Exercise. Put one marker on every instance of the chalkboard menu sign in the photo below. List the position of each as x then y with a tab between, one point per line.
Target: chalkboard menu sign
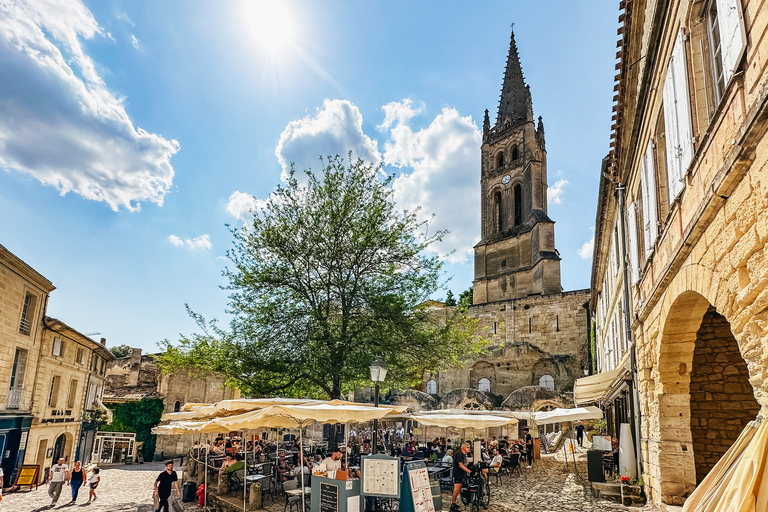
329	497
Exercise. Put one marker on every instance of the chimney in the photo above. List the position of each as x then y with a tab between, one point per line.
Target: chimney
104	341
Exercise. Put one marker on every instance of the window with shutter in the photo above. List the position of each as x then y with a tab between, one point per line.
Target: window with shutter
677	118
648	190
730	23
56	346
634	263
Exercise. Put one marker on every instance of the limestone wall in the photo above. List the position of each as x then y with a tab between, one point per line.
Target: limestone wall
533	336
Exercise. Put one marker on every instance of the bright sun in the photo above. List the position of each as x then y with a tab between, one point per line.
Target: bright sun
270	24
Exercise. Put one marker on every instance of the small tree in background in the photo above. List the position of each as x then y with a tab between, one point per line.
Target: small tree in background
450	300
465	298
121	351
328	277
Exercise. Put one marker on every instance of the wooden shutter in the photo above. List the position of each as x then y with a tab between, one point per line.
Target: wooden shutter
677	118
648	191
730	22
634	264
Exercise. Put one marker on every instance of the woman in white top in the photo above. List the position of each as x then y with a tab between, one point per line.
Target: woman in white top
93	482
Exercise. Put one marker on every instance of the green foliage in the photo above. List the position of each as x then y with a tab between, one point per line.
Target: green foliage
450	300
465	298
121	351
97	417
138	417
328	277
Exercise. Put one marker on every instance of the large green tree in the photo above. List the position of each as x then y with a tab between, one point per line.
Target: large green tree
330	275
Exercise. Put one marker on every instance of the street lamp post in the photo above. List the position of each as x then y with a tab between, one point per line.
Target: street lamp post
378	374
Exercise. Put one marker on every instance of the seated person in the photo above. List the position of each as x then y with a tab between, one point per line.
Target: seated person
218	448
228	461
283	468
366	448
495	466
234	466
448	459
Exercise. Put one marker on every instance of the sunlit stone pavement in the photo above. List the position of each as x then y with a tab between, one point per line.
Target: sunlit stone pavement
122	489
546	487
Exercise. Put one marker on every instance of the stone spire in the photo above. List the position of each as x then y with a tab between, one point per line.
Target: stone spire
515	101
486	125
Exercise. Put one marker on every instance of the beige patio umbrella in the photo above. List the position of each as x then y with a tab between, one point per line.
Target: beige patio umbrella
286	416
739	480
459	420
191	412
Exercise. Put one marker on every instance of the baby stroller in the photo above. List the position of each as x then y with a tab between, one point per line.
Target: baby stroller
475	491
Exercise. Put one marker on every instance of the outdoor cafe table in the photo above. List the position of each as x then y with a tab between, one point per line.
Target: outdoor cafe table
297	492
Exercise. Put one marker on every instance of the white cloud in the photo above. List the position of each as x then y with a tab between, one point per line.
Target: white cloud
585	251
556	191
241	206
444	180
58	120
199	242
334	129
134	41
398	112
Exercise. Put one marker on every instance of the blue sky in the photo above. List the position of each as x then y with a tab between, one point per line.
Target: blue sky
131	132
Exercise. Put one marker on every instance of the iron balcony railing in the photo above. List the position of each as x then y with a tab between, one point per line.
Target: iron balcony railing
14	398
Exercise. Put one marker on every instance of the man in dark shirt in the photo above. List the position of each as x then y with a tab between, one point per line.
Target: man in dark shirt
460	472
580	433
528	446
163	486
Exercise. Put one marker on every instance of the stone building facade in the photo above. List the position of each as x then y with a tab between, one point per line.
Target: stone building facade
539	333
68	387
685	193
51	375
138	376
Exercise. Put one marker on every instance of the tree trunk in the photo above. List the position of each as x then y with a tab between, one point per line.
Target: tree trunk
335	428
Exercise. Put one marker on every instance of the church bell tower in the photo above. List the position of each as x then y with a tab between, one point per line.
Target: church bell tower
516	255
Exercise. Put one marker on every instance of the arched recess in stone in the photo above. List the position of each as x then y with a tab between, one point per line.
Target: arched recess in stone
483	370
703	394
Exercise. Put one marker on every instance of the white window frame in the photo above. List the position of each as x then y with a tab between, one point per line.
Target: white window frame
56	350
481	382
677	118
432	386
730	21
648	192
548	383
634	263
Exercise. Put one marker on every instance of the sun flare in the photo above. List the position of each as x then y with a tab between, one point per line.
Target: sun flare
271	24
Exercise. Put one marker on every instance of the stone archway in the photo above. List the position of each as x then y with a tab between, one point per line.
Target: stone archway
722	401
698	420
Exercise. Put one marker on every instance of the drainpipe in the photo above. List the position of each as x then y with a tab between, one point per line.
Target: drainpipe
634	394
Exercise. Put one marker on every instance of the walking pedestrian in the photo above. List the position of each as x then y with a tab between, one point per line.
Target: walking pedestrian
580	434
528	446
59	475
76	478
93	483
163	486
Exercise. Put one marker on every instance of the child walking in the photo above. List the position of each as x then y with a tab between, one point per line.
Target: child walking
93	482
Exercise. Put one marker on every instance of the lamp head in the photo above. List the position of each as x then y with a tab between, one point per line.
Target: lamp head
378	370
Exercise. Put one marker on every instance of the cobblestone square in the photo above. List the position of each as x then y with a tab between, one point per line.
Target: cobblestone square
122	489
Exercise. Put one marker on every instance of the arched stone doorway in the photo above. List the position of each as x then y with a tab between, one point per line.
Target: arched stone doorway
59	447
704	395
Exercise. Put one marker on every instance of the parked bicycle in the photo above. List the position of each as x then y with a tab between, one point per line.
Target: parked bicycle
476	492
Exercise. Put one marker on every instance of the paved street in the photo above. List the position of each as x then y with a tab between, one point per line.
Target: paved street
546	487
121	489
